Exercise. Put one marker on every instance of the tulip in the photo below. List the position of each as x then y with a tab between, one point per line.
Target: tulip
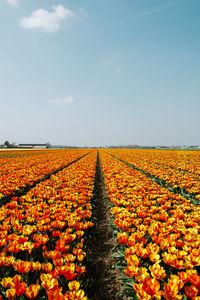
74	285
157	271
32	291
191	291
195	280
151	286
22	266
6	282
131	271
47	267
10	294
48	282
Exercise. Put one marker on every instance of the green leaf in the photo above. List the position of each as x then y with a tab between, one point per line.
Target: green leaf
118	254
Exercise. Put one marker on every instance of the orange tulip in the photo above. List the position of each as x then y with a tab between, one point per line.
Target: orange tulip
191	291
122	237
195	280
20	288
157	271
133	260
140	292
6	282
56	294
48	282
32	291
184	276
131	271
74	285
142	274
22	266
47	267
151	286
36	266
10	294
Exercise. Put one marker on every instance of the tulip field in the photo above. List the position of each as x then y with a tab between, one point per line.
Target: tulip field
48	219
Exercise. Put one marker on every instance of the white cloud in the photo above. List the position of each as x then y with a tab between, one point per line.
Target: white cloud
61	100
48	21
12	2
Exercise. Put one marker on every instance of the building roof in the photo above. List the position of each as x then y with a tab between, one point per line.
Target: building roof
32	145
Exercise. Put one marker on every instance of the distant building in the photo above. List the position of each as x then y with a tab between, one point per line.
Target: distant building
33	146
8	145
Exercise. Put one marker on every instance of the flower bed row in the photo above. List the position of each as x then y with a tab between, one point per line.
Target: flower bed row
188	161
11	154
25	160
42	236
180	178
158	234
24	171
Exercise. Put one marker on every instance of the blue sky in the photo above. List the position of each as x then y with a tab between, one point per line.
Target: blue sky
100	72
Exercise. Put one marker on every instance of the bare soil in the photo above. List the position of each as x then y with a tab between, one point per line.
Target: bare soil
105	284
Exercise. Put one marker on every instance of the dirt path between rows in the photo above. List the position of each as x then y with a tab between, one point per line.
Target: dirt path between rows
105	284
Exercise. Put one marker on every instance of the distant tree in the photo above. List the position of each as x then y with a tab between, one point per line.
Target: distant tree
48	145
7	144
